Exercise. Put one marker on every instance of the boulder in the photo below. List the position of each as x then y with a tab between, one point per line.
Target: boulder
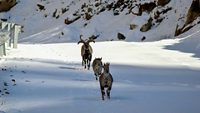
132	26
143	38
41	7
120	36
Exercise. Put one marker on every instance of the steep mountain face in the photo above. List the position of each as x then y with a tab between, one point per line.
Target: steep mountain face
134	20
6	5
192	15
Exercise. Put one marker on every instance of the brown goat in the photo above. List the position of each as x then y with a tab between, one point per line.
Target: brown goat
86	52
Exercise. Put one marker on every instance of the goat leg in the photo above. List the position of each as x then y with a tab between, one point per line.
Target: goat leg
102	92
108	92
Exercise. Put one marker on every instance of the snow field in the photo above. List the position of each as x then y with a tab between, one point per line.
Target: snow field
50	78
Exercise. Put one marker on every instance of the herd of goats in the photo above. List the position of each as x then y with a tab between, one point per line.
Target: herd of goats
105	78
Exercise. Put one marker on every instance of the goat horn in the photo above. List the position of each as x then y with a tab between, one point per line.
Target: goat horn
81	40
91	40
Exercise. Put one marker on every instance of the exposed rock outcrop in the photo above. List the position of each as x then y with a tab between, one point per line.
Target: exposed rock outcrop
6	5
193	14
147	26
163	2
69	21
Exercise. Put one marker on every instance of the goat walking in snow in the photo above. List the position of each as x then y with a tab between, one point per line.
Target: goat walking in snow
86	52
106	81
97	66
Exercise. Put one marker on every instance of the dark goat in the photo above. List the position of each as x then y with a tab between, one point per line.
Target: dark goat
86	52
106	81
97	66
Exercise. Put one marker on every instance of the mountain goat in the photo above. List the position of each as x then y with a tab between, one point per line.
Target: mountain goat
86	52
97	66
106	81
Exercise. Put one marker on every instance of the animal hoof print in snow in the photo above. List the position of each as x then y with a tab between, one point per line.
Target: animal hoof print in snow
5	84
7	93
3	69
13	80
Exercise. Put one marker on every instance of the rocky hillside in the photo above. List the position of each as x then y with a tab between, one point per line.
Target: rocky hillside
130	20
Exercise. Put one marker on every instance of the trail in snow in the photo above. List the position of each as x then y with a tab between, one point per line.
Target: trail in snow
147	79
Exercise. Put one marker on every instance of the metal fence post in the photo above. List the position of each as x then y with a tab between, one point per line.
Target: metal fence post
3	38
16	34
9	35
4	49
1	50
12	32
3	25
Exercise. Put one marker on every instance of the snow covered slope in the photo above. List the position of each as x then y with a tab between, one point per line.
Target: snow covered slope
49	21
